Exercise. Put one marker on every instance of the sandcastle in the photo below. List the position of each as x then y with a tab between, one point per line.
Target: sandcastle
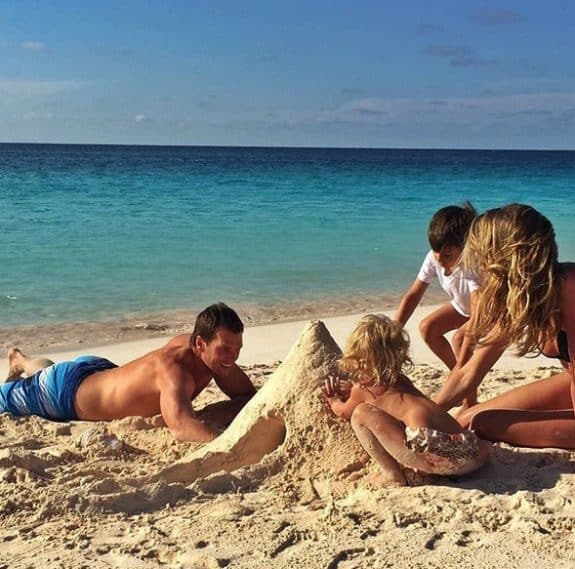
285	427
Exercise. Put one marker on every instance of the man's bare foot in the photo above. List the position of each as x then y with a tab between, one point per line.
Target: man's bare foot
15	369
387	480
21	365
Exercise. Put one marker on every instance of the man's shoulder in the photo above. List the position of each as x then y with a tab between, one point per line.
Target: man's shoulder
183	340
175	350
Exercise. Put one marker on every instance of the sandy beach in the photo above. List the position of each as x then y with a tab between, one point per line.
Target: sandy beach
285	486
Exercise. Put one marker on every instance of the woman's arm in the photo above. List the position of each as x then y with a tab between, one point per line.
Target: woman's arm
464	380
567	315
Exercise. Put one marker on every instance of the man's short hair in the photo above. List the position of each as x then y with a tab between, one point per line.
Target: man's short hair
449	226
216	316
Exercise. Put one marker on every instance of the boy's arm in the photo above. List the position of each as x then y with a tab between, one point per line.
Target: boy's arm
410	300
342	409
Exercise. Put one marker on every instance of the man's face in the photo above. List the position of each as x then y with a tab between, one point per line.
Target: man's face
448	257
222	351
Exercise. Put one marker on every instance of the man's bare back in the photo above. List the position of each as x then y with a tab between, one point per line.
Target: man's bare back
134	389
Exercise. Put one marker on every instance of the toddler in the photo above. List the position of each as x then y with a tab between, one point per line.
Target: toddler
396	424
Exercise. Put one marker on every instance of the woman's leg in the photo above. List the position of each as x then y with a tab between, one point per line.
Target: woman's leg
549	394
539	414
535	429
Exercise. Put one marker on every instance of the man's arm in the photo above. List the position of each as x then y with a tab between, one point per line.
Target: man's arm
236	384
176	391
410	300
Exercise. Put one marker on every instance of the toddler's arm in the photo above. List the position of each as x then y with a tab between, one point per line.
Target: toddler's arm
342	397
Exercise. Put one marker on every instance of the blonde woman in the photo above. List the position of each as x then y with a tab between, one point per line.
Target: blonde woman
526	298
396	424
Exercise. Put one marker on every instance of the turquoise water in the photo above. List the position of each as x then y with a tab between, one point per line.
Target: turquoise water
98	232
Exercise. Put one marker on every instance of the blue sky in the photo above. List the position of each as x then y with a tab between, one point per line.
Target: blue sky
415	74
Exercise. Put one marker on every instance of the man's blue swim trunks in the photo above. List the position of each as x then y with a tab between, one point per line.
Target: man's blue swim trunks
50	393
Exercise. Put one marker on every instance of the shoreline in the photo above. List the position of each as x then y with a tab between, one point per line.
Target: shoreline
67	336
264	342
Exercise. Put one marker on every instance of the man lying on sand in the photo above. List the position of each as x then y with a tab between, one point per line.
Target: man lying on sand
163	381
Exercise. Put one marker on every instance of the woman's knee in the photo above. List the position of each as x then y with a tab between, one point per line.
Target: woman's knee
479	422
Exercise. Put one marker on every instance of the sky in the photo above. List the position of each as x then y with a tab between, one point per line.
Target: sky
331	73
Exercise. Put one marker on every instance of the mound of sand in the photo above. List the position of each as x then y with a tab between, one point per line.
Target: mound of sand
285	429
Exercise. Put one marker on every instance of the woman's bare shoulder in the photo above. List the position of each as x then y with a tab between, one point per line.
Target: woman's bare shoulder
567	283
567	270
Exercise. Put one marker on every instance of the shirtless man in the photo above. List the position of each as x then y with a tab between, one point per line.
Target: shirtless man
163	381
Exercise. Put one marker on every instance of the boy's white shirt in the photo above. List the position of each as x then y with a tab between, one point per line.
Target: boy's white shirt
458	285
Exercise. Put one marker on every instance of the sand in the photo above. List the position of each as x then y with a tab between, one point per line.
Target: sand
285	486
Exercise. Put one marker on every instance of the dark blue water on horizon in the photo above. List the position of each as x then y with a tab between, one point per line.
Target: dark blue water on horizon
96	232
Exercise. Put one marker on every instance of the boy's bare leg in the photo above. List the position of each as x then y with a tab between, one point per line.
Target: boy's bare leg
434	327
20	364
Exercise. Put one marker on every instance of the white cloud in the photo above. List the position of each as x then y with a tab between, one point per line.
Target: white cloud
38	116
19	88
33	45
370	108
140	118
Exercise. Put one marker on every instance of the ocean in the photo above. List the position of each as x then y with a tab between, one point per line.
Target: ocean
99	233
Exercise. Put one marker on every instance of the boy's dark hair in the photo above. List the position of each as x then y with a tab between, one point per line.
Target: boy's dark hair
216	316
449	226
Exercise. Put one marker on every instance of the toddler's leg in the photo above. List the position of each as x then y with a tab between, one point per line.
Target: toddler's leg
383	437
434	327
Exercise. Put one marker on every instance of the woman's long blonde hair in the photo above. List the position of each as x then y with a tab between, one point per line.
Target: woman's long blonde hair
376	352
513	251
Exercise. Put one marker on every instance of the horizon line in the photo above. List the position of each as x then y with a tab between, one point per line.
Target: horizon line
286	147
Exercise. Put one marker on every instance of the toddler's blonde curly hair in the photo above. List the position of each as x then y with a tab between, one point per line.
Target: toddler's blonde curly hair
376	352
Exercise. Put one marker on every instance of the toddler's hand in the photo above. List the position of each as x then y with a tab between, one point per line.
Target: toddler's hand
333	388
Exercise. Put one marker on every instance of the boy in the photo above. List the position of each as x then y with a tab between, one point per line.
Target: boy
446	233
